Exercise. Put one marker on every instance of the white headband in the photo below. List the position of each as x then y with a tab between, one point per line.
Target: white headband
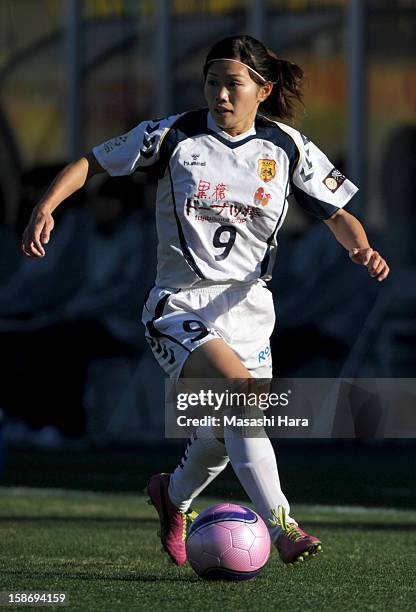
227	59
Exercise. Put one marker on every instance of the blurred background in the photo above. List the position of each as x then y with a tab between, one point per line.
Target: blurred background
76	374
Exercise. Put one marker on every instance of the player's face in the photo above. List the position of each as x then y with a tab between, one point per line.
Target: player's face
232	96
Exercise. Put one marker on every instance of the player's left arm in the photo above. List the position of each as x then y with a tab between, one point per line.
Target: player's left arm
350	233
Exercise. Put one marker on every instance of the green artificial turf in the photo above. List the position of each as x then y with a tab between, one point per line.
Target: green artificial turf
102	550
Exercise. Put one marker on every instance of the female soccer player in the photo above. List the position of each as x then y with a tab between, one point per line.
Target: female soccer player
225	174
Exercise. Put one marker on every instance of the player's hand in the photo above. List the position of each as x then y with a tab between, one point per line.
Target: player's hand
374	262
37	233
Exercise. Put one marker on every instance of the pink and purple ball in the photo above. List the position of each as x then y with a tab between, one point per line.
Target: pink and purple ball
228	542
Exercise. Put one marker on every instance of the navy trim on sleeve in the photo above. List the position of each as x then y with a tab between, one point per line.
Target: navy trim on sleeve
317	208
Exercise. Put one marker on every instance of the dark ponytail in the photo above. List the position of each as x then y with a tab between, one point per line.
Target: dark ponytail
287	77
286	95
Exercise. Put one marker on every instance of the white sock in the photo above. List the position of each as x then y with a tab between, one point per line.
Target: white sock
254	462
204	459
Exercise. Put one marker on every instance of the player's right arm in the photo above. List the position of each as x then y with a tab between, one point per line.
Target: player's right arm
41	223
138	149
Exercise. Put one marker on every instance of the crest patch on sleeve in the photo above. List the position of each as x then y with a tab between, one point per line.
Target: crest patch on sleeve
334	180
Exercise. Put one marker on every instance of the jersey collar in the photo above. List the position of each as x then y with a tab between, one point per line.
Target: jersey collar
213	127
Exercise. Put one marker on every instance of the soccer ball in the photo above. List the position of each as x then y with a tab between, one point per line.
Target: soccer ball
228	542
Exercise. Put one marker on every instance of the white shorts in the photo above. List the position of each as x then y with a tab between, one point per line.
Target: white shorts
177	321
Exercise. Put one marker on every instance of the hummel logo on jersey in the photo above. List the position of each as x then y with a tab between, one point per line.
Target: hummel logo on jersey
334	180
148	147
194	162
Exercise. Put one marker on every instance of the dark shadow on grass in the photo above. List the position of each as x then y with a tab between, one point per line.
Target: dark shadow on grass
372	526
77	519
106	577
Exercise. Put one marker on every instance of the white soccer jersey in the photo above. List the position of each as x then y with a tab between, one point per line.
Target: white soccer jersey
221	200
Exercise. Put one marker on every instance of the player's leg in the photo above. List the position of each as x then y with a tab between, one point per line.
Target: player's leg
205	457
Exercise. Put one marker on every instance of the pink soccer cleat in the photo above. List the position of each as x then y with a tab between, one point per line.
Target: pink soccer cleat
173	522
294	544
